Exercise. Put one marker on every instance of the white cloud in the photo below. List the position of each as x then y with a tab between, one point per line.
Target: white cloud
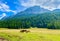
15	12
3	15
5	8
47	4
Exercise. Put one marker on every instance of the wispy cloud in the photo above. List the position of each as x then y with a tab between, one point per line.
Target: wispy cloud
2	16
47	4
5	8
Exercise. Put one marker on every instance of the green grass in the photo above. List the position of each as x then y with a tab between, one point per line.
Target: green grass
33	35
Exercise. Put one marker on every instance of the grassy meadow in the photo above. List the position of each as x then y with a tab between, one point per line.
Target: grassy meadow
35	34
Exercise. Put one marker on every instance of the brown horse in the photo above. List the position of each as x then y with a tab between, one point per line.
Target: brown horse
25	31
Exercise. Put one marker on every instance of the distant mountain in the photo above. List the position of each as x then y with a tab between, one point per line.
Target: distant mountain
36	9
56	10
33	17
32	11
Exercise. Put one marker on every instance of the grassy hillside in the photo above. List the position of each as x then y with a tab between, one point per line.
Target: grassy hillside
34	35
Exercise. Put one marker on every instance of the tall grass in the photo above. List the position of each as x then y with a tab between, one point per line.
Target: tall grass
33	35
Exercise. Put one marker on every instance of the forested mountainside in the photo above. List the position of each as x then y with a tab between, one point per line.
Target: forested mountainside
33	17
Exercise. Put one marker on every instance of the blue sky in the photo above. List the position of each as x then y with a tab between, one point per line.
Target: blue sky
11	7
